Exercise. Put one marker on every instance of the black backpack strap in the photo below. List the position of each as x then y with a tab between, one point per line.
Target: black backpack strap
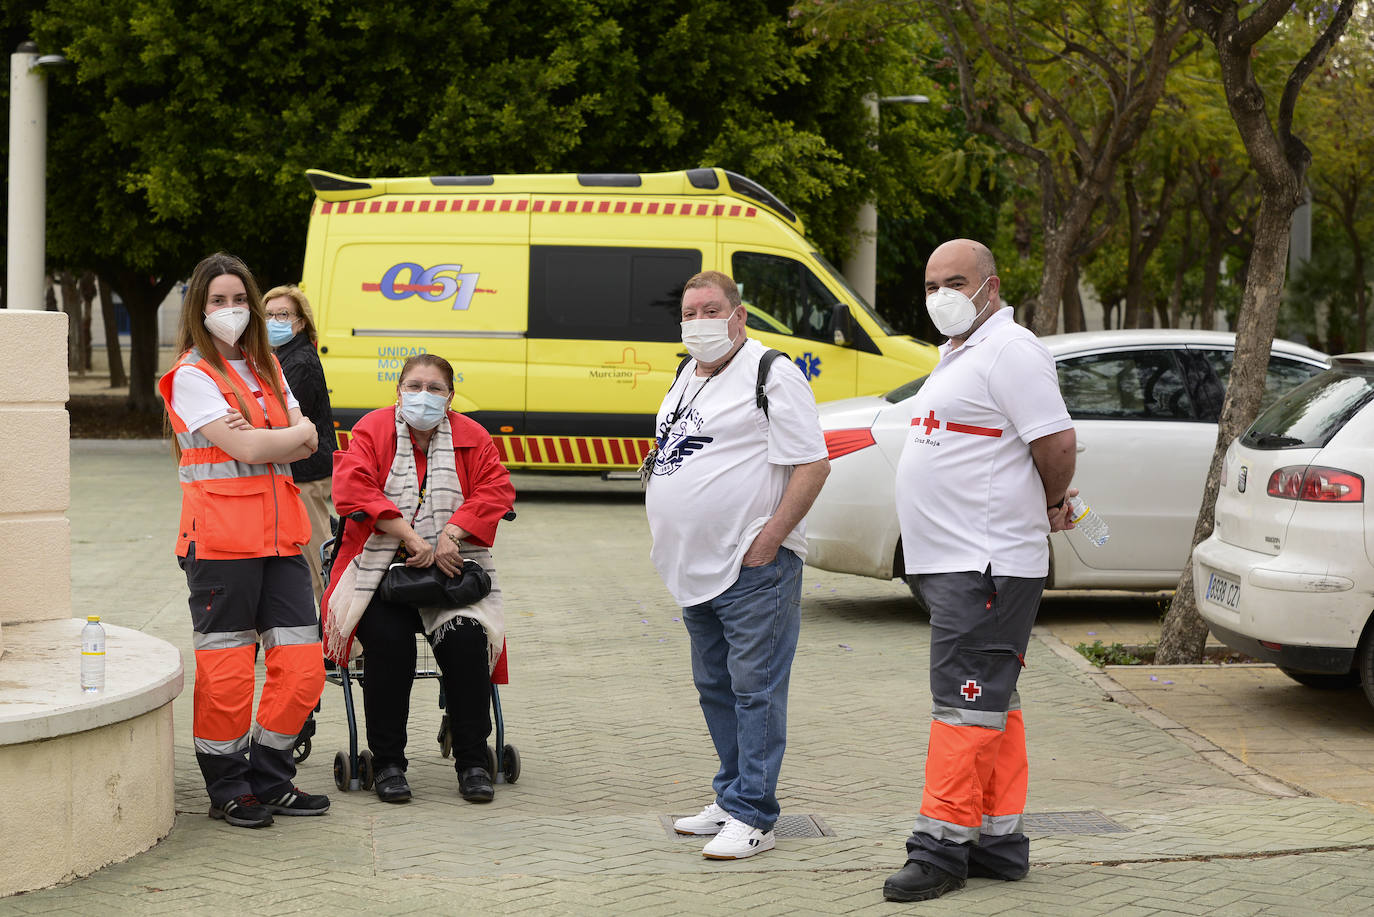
761	396
681	366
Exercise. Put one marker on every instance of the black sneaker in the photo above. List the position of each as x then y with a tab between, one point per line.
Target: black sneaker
243	811
297	802
919	881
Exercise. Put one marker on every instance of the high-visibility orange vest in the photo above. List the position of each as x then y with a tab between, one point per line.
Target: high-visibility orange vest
232	509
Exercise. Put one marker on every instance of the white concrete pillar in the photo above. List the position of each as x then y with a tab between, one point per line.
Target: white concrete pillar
27	179
861	267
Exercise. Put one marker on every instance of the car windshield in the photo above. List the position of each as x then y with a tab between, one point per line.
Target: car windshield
1313	412
906	390
839	278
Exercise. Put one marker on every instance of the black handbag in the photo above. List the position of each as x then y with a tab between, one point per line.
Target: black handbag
429	587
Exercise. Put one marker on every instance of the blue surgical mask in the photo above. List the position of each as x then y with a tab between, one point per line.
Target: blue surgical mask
423	410
279	332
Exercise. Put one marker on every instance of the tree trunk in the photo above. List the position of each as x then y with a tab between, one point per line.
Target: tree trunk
1044	320
112	351
1184	634
71	304
1211	279
87	288
1074	319
142	296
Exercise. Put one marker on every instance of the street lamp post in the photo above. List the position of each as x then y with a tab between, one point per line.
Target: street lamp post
26	239
861	267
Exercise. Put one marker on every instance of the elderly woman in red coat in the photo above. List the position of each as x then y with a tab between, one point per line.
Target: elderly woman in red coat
436	502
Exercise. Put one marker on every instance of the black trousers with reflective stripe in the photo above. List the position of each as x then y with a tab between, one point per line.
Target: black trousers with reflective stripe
387	633
980	627
239	599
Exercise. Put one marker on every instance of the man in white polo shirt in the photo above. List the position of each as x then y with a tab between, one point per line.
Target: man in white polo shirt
729	485
980	485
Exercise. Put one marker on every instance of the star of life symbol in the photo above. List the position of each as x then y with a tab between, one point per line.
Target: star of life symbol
971	690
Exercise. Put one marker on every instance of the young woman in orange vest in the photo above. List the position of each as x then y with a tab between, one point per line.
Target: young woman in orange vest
237	428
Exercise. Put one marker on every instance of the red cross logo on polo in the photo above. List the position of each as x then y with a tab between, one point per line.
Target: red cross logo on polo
931	422
971	690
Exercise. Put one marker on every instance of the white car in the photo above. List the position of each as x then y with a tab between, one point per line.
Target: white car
1287	575
1144	404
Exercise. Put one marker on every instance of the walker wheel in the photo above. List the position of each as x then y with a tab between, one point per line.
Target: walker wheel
510	763
367	774
301	751
491	760
444	738
343	772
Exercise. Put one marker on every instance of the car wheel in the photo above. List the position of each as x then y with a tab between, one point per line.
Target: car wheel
910	581
1365	654
1326	681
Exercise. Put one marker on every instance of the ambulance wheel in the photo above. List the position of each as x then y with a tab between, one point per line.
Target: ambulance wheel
366	772
301	751
491	760
444	738
510	763
343	772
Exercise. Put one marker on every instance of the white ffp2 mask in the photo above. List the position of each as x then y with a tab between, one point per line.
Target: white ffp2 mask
952	312
227	324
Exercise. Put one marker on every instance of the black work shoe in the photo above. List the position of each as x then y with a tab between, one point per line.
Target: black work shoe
391	785
977	870
243	812
297	802
474	785
920	881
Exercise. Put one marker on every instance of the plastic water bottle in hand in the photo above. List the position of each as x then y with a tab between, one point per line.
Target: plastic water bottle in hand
92	655
1088	522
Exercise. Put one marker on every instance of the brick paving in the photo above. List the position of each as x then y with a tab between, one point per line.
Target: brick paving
602	709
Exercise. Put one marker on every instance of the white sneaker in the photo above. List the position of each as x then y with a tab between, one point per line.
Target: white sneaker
709	821
736	841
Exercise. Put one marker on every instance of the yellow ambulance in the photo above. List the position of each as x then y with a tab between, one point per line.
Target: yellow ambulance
556	298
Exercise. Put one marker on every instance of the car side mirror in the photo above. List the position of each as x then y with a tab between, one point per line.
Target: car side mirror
842	323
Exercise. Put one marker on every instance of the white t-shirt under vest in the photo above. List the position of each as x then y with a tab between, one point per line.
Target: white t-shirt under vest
722	468
197	400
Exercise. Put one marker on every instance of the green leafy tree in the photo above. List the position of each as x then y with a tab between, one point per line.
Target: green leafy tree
185	125
1068	86
1280	160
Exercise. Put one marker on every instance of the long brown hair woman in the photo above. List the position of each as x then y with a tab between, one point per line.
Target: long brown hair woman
237	426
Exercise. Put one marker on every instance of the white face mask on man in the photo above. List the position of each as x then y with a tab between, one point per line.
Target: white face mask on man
227	324
707	339
952	312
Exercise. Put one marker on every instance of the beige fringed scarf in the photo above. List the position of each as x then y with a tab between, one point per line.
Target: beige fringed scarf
364	573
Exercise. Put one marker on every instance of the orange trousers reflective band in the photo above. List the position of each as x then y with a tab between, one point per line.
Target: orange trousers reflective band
224	690
972	771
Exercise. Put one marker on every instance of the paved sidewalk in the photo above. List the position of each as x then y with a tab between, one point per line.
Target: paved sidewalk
602	709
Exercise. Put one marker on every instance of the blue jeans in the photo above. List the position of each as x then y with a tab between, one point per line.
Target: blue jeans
743	642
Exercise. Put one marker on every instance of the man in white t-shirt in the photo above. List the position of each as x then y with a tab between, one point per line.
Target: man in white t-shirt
980	485
728	487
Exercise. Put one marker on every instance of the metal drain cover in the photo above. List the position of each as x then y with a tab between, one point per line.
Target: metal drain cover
1071	823
787	826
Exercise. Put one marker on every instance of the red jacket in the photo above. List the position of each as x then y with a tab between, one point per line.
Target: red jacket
361	470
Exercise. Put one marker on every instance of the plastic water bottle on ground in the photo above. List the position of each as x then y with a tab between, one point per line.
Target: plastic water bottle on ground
92	655
1089	523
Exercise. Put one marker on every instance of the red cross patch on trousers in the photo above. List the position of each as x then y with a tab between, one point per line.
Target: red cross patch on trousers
971	690
931	422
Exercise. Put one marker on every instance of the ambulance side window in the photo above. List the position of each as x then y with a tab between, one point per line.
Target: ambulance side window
784	297
601	292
